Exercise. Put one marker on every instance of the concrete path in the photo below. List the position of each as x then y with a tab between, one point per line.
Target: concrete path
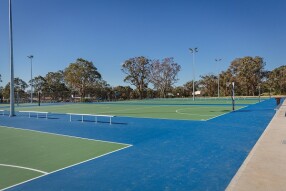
265	166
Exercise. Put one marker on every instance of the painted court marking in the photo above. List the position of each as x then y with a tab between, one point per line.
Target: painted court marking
137	108
179	112
48	173
183	113
26	168
64	135
225	113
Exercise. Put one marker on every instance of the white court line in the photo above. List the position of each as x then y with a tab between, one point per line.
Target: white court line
64	168
127	146
226	113
138	108
64	135
26	168
178	111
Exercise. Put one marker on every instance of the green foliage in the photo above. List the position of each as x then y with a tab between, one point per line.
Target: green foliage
80	75
276	80
163	74
247	73
209	84
137	71
19	87
81	79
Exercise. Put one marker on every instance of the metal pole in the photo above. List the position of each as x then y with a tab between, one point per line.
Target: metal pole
31	60
259	93
17	97
259	84
31	81
233	101
218	86
39	98
193	51
12	101
218	60
193	76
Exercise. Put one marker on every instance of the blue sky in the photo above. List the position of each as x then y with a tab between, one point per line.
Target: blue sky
108	32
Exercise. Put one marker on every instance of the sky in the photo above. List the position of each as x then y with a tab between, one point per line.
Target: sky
108	32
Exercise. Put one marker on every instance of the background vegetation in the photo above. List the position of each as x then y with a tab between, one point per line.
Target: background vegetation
81	81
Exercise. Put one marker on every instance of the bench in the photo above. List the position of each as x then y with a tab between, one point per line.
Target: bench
36	112
92	115
2	112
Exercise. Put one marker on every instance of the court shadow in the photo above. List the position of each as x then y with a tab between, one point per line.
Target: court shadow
99	121
222	111
53	118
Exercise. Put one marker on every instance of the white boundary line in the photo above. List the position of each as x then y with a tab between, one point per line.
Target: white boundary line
195	105
207	115
225	113
178	111
26	168
46	174
63	168
64	135
137	108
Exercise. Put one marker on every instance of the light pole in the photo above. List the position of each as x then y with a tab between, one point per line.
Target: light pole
232	97
31	58
12	102
218	60
259	85
259	93
193	51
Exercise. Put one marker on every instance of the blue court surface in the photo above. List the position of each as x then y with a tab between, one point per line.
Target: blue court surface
166	155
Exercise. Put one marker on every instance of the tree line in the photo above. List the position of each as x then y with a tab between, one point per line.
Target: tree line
81	81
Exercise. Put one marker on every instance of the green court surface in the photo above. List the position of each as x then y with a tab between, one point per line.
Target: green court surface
27	154
182	112
197	101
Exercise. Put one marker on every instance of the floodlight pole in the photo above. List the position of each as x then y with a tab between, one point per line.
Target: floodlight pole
259	84
39	97
12	101
31	58
193	51
232	97
218	60
259	93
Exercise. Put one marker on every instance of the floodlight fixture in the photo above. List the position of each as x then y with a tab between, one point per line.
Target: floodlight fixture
193	50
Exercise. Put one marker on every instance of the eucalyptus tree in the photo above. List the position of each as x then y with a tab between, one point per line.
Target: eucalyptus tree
55	87
163	74
39	83
209	84
1	91
81	74
19	87
226	77
248	73
1	94
99	90
122	92
277	80
137	72
188	86
179	91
